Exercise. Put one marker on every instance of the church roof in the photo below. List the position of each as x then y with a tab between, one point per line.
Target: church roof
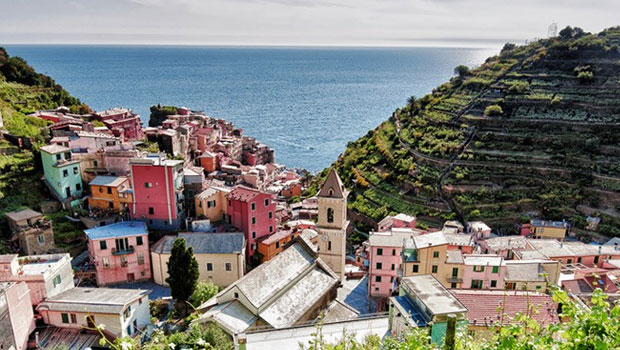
334	184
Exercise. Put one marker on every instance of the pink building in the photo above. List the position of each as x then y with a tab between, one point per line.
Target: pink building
16	316
253	212
398	221
120	252
122	122
483	271
116	159
158	192
384	260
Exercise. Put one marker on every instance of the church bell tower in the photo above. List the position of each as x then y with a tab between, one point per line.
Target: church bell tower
332	223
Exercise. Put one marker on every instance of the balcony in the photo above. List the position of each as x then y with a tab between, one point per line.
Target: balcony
129	250
455	280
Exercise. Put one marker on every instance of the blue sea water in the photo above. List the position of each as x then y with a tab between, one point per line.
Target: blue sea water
306	103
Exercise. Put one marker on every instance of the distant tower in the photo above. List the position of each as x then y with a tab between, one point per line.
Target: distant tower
552	31
332	223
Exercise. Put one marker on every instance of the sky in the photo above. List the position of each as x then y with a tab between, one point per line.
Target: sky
467	23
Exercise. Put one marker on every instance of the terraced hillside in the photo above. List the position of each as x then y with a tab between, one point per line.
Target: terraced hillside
534	131
22	91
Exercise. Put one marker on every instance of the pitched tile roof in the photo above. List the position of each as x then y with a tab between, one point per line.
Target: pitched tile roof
244	194
485	307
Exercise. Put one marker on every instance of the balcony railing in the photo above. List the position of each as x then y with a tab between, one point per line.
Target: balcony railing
455	280
128	250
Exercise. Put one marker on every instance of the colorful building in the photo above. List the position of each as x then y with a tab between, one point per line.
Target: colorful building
549	229
16	316
253	212
274	244
483	271
62	174
122	312
158	192
211	203
220	256
110	192
34	233
120	252
423	301
46	275
397	221
385	259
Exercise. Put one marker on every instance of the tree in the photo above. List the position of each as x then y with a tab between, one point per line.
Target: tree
508	47
182	273
411	100
493	111
461	70
203	292
566	33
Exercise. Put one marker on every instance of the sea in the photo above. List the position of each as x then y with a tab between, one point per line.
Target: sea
305	102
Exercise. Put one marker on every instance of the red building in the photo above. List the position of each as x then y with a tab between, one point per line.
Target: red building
122	122
158	192
253	212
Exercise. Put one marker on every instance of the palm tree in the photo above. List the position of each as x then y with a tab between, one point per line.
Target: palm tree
411	100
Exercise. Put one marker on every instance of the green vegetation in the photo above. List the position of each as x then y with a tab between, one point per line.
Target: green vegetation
203	292
182	274
596	328
23	91
447	154
160	113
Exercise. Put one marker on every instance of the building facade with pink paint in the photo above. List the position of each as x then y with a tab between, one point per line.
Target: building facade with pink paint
397	221
158	192
16	315
483	272
385	259
252	212
120	252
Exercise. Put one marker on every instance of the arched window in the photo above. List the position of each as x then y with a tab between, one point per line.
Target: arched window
330	215
330	192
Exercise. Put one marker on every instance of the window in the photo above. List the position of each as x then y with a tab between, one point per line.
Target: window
58	156
277	245
73	318
106	262
452	285
393	252
329	245
151	210
495	269
229	203
103	245
270	228
379	251
41	239
228	267
596	260
379	266
95	163
455	271
377	278
67	155
65	173
78	187
434	269
476	284
65	317
252	206
393	267
266	202
253	220
148	185
140	258
270	215
209	267
109	190
122	244
435	255
56	281
415	268
253	246
478	268
139	240
236	295
569	261
330	215
493	283
510	286
254	235
75	170
111	205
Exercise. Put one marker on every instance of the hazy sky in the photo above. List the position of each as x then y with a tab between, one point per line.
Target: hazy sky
296	22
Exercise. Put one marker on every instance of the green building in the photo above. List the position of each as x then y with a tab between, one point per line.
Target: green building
62	174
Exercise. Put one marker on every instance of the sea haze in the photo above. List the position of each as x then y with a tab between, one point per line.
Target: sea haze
306	103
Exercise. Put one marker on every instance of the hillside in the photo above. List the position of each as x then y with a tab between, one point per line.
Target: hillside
22	91
534	131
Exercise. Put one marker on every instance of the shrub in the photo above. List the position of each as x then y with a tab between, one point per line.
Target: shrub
585	77
461	70
203	292
519	87
493	111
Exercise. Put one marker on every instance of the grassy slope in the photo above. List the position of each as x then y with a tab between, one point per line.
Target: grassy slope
555	147
22	91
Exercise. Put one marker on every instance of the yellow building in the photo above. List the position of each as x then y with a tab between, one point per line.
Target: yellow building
211	203
428	254
220	256
549	229
110	192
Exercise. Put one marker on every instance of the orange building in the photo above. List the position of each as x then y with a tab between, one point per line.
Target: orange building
208	161
273	245
110	192
292	190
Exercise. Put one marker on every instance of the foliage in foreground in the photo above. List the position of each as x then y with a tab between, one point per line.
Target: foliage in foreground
203	292
182	273
595	328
